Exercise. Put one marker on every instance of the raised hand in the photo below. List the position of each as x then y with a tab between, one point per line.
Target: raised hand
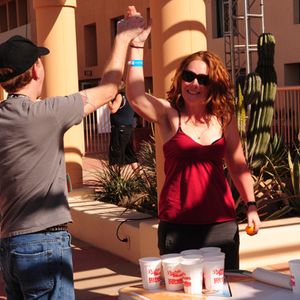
132	25
140	39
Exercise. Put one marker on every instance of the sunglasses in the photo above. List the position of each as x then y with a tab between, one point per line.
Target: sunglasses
189	76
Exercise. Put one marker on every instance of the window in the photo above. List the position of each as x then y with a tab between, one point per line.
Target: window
113	24
221	17
3	18
22	11
297	11
13	13
90	45
292	74
148	20
149	85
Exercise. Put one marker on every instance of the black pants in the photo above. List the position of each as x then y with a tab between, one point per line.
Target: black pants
121	150
174	238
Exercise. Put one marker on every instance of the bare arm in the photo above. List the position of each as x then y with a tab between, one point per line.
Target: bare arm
128	28
239	171
148	106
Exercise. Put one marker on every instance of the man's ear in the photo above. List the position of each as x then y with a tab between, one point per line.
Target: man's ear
35	69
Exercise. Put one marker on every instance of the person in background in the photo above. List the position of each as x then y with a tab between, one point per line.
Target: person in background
121	148
35	246
199	133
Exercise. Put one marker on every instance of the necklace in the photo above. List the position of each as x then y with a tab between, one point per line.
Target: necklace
197	133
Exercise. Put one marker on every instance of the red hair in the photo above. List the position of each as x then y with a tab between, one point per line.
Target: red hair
220	101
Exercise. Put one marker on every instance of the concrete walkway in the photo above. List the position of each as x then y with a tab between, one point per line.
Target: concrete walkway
98	275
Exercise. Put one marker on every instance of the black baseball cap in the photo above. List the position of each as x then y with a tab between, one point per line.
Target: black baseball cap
19	54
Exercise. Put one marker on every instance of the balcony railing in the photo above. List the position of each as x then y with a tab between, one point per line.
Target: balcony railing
286	121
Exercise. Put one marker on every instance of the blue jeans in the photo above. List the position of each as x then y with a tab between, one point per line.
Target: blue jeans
38	266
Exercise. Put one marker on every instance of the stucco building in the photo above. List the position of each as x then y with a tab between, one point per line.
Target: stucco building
80	36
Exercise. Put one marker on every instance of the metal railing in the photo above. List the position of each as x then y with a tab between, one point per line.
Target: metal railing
286	120
97	131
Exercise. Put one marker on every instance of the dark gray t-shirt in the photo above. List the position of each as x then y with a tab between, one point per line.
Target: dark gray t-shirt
33	188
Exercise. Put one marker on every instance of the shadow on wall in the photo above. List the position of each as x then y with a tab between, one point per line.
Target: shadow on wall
74	167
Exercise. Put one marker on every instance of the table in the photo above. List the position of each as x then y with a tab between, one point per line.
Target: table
241	285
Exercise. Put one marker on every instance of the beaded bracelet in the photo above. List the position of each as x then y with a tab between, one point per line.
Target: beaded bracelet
136	63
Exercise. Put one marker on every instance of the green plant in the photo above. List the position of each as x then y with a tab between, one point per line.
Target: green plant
258	95
124	187
147	161
274	183
116	185
276	176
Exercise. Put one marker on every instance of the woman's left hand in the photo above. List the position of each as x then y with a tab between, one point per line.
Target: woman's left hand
253	218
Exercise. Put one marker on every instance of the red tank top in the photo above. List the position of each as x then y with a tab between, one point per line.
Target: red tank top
196	190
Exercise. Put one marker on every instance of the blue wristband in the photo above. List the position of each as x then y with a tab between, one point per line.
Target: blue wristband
136	63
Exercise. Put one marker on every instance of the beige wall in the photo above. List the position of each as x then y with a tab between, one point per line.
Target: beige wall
101	13
278	17
280	21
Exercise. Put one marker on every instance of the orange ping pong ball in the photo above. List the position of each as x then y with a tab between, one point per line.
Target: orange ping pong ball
250	230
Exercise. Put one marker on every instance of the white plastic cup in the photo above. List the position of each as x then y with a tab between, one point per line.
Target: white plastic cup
192	275
190	251
213	270
196	257
169	255
172	273
163	256
294	265
210	249
150	271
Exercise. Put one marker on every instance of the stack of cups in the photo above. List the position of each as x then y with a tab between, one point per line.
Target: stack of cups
150	271
192	273
294	266
190	251
172	273
213	269
210	250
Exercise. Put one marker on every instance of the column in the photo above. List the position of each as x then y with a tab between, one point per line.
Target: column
178	29
55	28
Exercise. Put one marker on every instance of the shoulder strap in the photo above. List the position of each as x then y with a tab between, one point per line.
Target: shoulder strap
179	119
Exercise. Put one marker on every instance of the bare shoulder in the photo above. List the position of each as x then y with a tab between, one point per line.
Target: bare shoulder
169	125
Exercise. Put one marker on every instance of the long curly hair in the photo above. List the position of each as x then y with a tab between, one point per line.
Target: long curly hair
220	101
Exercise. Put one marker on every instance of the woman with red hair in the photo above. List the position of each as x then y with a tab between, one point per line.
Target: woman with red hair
199	133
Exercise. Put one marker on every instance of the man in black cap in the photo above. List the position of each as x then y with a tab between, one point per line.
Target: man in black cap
36	259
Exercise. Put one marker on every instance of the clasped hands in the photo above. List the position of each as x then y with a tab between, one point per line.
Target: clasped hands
133	26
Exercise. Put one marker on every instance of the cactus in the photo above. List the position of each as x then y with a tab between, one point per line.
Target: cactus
259	94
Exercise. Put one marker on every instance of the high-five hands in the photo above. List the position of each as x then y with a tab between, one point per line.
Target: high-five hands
140	39
132	25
